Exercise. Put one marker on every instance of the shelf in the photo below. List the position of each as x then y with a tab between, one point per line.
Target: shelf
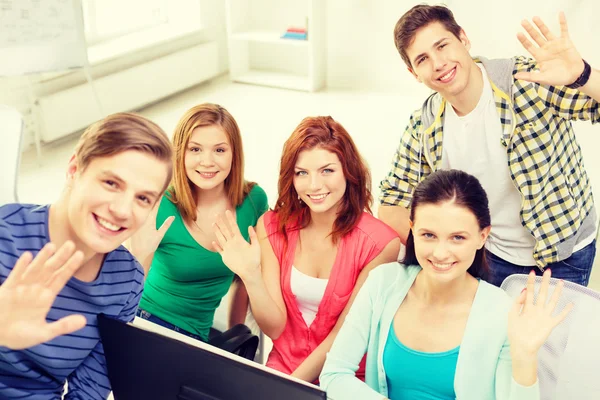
275	79
267	37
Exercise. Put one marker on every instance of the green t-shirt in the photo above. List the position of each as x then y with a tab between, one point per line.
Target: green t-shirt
186	282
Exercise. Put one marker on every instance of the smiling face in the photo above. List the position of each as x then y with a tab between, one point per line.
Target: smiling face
319	180
208	158
112	197
441	60
446	238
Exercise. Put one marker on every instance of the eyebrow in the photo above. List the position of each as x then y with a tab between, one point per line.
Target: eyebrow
436	44
218	144
464	233
323	167
115	177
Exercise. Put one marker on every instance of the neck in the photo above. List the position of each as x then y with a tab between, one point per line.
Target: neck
323	221
434	292
60	230
466	101
206	198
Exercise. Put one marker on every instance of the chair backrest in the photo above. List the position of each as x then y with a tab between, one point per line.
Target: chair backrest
11	132
569	361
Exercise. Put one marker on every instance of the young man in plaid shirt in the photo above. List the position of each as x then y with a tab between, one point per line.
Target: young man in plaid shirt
507	122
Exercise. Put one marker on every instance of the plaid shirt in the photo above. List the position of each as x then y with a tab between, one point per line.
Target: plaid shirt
544	158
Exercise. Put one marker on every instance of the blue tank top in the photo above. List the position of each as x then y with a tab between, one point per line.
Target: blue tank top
415	375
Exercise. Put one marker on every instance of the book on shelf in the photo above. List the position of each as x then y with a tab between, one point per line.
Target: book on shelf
295	35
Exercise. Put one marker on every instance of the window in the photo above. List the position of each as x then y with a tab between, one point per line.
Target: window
106	20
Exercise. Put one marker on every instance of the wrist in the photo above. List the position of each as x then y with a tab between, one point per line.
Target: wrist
251	277
583	77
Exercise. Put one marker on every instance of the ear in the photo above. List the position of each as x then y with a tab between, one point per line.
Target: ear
410	223
464	39
485	232
72	168
414	74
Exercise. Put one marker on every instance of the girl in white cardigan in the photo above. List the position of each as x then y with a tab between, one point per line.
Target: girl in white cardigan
432	328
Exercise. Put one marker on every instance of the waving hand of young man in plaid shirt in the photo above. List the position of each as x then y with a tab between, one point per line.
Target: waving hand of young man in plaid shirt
507	122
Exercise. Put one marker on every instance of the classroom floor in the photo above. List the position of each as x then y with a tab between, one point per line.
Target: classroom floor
266	117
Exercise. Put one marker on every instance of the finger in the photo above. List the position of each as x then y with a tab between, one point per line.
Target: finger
543	294
563	314
165	227
530	290
543	28
556	295
564	29
64	326
219	234
65	272
18	270
535	35
232	223
58	259
31	274
217	248
223	227
528	45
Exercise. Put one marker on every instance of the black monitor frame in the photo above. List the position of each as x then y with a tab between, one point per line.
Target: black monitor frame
147	365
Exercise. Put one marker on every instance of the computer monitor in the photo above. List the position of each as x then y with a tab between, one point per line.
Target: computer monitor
147	365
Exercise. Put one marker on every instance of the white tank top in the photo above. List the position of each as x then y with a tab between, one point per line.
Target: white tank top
309	292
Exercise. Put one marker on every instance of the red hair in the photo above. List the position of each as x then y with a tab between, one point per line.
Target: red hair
327	134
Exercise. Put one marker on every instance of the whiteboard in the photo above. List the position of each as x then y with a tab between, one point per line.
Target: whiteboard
41	36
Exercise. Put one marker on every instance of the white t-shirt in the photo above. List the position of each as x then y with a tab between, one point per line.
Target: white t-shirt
472	144
309	292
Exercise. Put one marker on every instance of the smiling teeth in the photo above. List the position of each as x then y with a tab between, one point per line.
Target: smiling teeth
317	197
447	75
108	225
442	266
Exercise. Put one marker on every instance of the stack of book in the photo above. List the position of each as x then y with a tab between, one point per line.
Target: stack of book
295	33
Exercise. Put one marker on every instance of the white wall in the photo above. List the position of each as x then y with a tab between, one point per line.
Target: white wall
362	55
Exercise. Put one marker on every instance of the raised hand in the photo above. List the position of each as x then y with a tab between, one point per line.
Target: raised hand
241	257
29	292
146	240
529	323
558	60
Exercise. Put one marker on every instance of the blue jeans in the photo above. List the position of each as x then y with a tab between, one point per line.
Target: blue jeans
577	268
153	318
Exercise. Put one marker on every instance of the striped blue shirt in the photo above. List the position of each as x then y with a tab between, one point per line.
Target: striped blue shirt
40	372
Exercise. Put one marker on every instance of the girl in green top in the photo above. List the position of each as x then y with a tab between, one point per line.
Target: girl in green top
186	278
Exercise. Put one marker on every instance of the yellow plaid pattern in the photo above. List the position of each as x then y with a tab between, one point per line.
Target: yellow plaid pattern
544	158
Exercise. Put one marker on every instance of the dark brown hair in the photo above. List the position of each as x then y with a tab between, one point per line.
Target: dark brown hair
418	17
463	190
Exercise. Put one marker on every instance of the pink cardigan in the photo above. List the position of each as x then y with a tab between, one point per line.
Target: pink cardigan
355	251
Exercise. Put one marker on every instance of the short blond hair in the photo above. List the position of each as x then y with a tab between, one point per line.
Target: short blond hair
122	132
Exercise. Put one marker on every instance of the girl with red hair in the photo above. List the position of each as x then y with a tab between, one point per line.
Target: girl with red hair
310	255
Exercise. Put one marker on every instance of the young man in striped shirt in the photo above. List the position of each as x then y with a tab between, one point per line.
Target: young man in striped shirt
511	128
121	167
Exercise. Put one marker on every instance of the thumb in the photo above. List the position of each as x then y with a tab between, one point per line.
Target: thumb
165	226
65	326
529	76
519	302
252	235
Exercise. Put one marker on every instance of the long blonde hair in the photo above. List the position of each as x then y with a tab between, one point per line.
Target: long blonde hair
180	192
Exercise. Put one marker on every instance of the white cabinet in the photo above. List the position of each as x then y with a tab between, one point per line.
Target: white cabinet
258	54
